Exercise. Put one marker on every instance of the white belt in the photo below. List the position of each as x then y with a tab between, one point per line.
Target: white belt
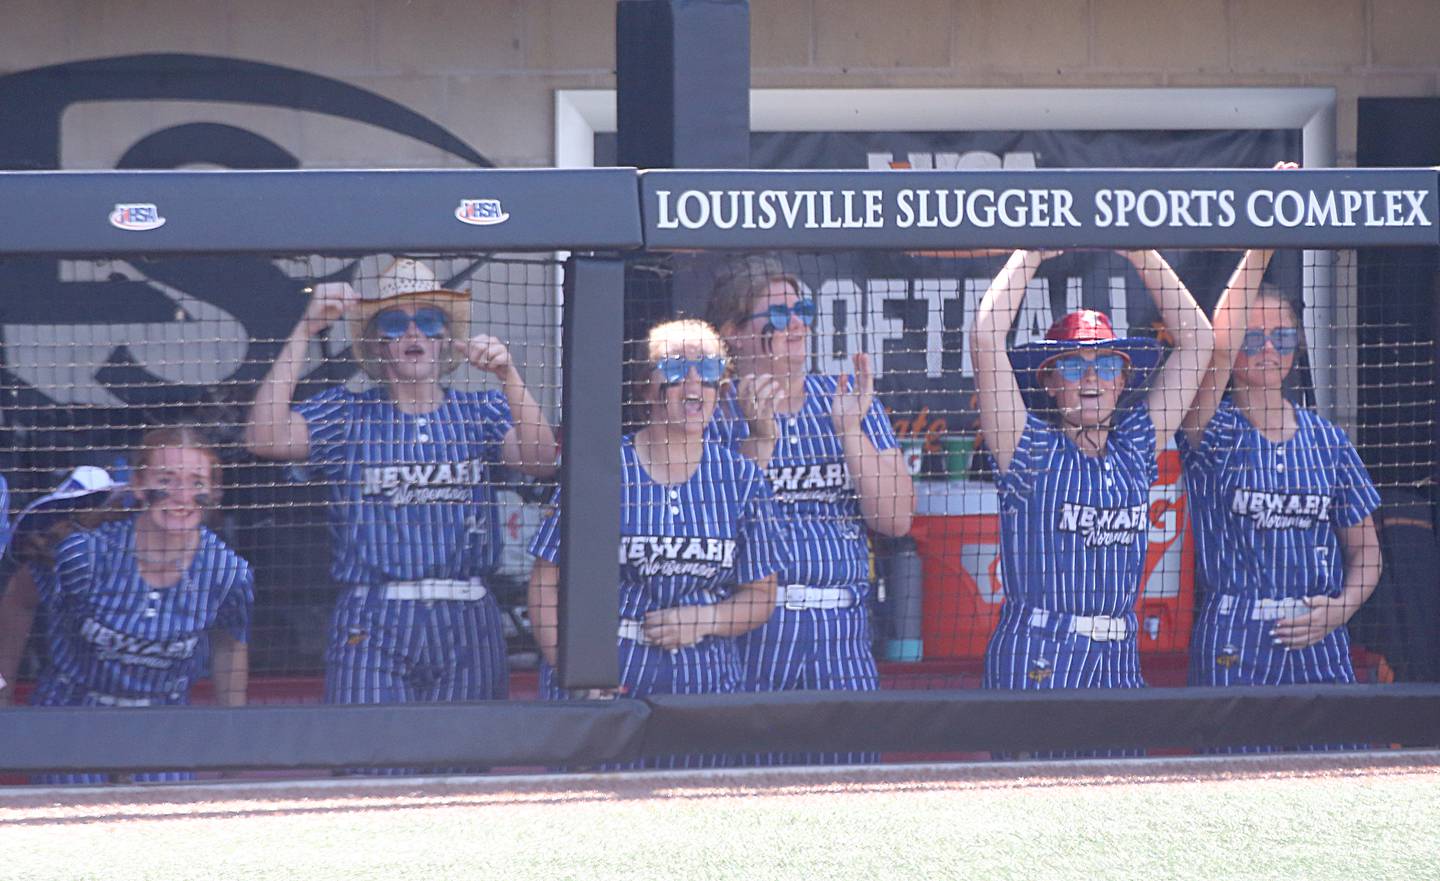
111	700
431	589
800	596
634	631
1100	628
1266	609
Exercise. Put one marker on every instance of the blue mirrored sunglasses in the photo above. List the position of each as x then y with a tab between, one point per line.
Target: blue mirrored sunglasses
1285	340
779	315
392	323
710	369
1072	367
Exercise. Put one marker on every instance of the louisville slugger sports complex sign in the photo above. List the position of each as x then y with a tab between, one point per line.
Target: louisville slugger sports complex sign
975	209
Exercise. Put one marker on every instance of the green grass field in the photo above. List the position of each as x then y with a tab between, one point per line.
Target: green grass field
1335	819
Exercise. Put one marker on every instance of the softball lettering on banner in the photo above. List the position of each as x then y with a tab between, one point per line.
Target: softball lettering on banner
990	209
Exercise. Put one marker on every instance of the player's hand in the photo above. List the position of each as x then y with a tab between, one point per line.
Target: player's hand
760	396
1042	256
1284	164
852	399
677	627
485	352
1326	613
328	302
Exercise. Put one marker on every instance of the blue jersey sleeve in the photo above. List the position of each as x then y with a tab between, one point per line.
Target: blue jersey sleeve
878	429
75	564
546	543
1356	497
328	415
1218	441
234	614
1031	456
492	411
764	546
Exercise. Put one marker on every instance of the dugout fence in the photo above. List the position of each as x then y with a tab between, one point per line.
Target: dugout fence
142	299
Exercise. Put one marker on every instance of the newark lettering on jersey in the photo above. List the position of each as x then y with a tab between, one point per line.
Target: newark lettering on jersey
1103	527
1272	510
815	482
677	555
112	645
424	483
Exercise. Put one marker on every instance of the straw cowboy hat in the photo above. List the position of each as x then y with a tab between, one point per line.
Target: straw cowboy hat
1079	331
408	282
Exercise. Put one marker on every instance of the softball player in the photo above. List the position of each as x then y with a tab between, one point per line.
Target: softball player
835	469
79	502
409	466
143	603
700	543
1281	503
1075	463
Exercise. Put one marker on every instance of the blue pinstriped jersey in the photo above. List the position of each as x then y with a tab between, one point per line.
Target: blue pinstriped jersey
117	635
813	486
692	543
1266	513
411	495
1074	528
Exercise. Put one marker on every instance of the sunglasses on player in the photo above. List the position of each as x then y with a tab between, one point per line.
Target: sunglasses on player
710	369
392	323
779	314
1072	368
1285	340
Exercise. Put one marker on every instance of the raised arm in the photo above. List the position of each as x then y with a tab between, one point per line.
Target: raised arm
529	446
1191	336
1229	328
883	486
1002	408
276	431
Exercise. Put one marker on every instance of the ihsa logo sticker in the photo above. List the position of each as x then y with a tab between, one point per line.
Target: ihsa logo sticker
481	212
136	216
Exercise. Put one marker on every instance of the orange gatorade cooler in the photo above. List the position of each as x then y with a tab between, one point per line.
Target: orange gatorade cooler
1166	609
957	530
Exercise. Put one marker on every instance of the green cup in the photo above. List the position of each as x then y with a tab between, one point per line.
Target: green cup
958	450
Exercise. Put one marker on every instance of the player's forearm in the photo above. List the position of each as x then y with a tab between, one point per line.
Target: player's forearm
883	486
230	670
543	604
1233	307
751	606
275	431
1185	321
534	437
1002	301
1363	563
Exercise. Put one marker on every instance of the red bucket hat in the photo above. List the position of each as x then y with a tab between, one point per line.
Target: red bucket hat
1077	332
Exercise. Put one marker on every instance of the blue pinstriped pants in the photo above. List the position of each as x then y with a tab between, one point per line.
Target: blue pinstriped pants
810	650
1024	656
396	651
